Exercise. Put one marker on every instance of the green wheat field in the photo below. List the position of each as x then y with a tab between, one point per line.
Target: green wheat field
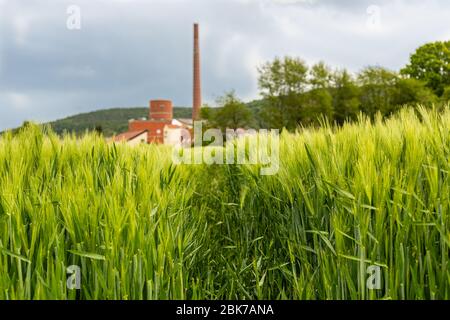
371	193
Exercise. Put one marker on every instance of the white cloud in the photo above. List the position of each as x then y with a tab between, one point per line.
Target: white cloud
16	100
21	28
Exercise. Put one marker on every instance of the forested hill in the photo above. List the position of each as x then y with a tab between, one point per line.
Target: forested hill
114	121
111	121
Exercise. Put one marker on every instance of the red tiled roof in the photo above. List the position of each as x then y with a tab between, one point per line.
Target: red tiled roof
127	136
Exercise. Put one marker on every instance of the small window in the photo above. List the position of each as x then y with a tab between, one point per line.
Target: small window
158	131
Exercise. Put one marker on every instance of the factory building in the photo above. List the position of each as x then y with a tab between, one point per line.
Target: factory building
160	127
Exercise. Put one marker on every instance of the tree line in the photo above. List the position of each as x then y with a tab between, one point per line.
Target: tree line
296	94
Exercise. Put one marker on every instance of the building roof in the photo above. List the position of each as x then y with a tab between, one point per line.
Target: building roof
174	126
185	121
130	135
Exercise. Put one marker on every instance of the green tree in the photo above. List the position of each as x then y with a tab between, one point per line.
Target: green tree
412	92
446	95
206	113
231	113
321	76
346	97
377	89
281	83
316	103
431	64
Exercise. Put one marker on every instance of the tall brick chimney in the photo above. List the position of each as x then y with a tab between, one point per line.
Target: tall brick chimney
197	103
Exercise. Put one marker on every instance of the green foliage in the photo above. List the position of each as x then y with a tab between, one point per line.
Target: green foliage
446	95
321	76
346	97
345	198
295	94
206	112
230	114
316	103
377	87
412	92
281	83
431	64
258	107
283	77
385	91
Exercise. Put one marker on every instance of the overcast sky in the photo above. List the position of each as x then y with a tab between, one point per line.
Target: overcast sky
130	51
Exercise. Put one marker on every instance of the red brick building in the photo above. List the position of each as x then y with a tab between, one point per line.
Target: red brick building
160	126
